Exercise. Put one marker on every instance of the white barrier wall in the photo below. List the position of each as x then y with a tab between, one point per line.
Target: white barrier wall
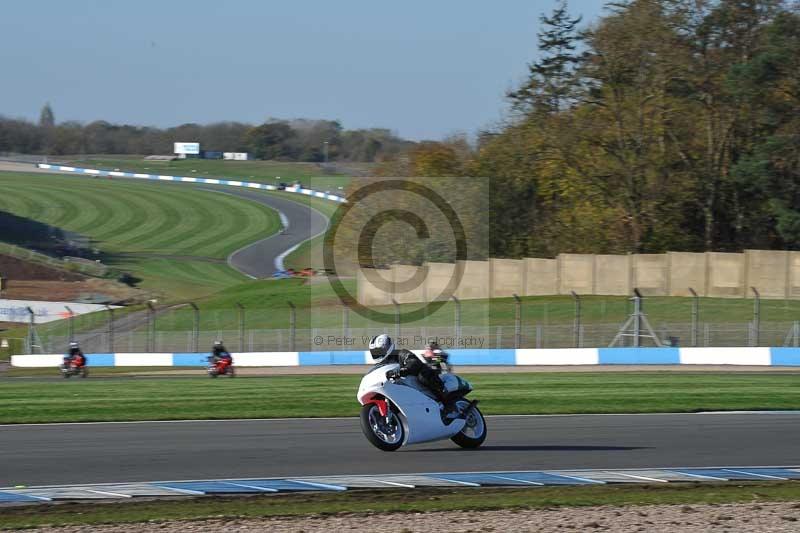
463	357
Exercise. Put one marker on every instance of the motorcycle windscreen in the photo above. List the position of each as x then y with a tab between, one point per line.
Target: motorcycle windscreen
455	384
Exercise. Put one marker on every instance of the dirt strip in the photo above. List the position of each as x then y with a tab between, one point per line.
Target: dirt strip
764	518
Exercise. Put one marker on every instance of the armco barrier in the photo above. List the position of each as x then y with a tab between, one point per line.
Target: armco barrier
187	179
466	357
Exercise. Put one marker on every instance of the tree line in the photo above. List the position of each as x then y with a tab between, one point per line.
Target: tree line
295	140
665	125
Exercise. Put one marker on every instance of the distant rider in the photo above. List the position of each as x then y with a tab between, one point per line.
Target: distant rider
219	353
436	358
74	356
383	352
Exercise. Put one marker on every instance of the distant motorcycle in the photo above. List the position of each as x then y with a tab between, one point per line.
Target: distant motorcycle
69	369
399	412
217	366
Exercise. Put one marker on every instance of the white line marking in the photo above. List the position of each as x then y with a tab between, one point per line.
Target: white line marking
265	489
185	491
109	493
702	476
441	477
595	481
765	476
314	484
640	477
396	484
518	480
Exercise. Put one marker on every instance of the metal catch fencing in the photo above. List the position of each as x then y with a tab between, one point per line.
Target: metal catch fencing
567	323
481	337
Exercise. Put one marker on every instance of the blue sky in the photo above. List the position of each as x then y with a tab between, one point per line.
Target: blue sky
420	67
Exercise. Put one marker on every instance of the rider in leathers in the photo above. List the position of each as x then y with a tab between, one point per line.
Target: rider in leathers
383	352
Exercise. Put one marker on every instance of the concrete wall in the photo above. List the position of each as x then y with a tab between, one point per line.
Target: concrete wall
507	277
439	276
541	276
768	271
575	273
686	269
650	274
726	275
612	275
408	288
776	274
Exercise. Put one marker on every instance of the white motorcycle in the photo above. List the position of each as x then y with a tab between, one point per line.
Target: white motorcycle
402	411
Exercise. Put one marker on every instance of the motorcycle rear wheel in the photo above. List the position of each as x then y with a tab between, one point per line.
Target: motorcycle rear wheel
474	432
384	436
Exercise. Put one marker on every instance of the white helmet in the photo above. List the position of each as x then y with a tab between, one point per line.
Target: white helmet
380	347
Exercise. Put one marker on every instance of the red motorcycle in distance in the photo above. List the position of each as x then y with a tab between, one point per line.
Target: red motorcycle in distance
72	367
220	366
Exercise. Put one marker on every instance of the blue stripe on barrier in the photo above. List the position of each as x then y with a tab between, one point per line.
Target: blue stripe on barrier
331	358
100	359
639	356
224	182
549	479
189	359
784	473
284	485
11	497
485	479
719	473
483	357
785	356
213	487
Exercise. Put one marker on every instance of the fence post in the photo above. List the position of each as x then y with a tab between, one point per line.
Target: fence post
195	327
70	323
31	329
396	321
695	317
457	319
796	336
345	322
576	333
756	317
517	321
110	328
241	310
292	326
637	323
151	327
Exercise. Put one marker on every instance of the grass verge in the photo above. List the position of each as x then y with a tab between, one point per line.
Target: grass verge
78	400
423	500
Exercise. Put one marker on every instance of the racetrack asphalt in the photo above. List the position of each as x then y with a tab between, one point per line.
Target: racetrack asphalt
151	451
260	259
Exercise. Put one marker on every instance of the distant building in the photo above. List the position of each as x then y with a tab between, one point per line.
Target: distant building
236	156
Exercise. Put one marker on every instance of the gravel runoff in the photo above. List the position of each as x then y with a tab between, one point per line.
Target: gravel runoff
762	517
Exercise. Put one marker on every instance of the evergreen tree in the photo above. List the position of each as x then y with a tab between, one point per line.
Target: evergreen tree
47	118
551	81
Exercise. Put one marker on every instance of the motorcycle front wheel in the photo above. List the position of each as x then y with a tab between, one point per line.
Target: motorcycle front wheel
384	432
474	432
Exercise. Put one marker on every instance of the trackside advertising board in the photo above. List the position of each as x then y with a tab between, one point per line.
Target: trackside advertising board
187	148
17	310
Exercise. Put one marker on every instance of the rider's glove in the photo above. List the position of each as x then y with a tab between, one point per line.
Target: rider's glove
393	375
